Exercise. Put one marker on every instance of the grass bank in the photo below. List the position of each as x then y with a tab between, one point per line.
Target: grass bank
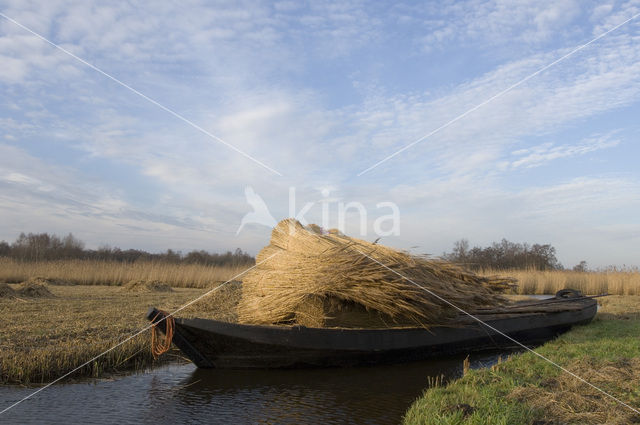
528	390
93	272
44	338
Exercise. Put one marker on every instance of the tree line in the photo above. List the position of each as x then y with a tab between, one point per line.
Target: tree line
505	255
48	247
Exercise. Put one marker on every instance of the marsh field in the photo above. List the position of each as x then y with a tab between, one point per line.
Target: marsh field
48	335
89	306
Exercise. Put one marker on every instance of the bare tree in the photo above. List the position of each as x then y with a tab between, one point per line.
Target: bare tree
581	267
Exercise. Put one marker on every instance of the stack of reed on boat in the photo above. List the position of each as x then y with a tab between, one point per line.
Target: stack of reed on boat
314	278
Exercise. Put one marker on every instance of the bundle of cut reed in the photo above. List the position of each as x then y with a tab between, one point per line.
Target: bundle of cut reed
316	278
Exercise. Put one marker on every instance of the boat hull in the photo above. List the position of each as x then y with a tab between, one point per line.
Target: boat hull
214	344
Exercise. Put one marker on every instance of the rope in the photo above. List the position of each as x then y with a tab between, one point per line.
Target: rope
160	346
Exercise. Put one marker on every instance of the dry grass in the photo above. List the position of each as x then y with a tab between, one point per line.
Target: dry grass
565	399
28	289
44	338
89	272
146	286
619	307
301	267
591	283
6	291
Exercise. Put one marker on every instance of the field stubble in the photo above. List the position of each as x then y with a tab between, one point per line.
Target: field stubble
44	338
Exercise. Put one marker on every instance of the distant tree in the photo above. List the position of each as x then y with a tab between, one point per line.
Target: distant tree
71	247
43	246
544	257
237	257
172	256
5	249
197	257
581	267
104	252
504	255
461	250
35	246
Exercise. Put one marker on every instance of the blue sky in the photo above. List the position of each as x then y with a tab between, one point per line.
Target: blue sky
319	92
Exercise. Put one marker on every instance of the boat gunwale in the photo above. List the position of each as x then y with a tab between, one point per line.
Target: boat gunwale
468	319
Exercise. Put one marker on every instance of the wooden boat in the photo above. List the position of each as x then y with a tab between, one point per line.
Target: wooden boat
215	344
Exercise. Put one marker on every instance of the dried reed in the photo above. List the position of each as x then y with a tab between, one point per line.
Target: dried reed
96	272
311	266
592	283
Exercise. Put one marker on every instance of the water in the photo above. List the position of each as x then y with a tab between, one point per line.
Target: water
185	394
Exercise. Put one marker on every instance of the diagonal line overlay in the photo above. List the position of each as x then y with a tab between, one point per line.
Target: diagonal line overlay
503	334
146	328
147	98
495	96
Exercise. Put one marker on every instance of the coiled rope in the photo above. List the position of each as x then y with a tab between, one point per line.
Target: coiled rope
160	345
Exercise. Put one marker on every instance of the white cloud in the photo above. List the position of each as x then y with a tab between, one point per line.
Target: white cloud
609	14
541	154
528	23
61	200
599	80
21	178
581	198
247	75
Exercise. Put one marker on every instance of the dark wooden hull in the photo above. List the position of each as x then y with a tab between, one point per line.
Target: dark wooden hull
214	344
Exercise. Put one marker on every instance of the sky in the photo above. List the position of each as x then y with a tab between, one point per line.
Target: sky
485	121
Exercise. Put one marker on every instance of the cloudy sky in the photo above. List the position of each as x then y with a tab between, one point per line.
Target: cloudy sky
283	95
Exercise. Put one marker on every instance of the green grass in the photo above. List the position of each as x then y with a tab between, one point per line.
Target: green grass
527	389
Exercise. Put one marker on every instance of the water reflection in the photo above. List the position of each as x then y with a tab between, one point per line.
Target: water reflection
372	395
184	394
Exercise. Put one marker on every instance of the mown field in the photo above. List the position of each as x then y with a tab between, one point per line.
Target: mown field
45	337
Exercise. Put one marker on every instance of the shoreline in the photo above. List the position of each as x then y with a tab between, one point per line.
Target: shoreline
526	389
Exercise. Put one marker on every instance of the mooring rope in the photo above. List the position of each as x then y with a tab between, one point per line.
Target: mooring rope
160	346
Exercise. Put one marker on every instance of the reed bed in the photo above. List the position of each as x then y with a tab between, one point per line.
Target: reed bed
589	283
95	272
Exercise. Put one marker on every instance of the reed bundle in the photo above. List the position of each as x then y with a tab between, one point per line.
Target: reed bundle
28	289
146	286
314	278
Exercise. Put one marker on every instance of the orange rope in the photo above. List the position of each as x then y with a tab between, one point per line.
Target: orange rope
158	346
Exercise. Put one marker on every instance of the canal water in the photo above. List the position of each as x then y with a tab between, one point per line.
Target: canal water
181	393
